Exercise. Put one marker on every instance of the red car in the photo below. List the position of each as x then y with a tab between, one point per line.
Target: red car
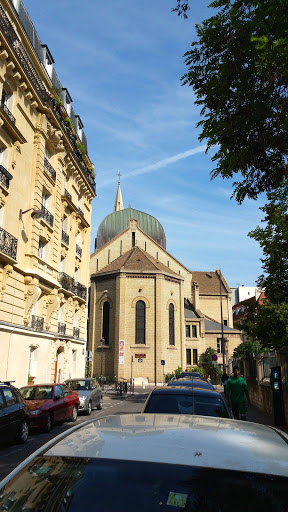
49	403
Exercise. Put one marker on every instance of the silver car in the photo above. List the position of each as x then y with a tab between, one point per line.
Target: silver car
90	393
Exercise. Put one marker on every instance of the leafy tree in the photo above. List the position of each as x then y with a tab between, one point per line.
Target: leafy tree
181	8
273	239
247	350
238	68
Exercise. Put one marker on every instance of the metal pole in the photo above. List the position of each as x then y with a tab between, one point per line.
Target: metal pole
222	327
131	374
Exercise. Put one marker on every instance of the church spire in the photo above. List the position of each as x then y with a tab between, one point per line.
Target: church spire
118	201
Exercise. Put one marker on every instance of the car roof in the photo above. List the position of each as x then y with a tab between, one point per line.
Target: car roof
44	384
185	390
197	440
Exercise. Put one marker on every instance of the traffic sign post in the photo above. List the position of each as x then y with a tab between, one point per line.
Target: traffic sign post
163	364
214	357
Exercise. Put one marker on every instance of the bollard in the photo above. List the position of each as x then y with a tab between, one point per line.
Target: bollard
143	384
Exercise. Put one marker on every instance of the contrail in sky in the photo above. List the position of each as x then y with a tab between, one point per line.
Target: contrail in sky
158	165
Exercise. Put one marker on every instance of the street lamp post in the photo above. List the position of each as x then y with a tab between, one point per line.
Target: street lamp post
102	341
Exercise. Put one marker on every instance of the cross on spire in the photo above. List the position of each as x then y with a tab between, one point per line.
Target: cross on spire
119	175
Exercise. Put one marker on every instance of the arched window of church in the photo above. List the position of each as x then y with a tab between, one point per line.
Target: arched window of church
140	322
171	325
105	322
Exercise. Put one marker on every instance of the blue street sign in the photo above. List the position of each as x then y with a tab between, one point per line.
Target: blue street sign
163	362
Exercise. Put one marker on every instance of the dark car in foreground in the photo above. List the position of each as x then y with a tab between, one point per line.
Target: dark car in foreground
50	403
192	383
186	400
90	393
14	414
147	462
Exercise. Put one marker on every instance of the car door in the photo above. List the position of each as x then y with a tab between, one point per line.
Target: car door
4	419
59	406
69	400
12	411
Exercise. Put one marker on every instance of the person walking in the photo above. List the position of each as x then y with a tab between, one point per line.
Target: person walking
224	380
237	394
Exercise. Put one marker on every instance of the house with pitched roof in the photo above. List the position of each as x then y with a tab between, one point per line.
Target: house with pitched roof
146	307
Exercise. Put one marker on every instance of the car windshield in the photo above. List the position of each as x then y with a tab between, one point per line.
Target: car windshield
192	383
79	385
55	484
186	404
37	392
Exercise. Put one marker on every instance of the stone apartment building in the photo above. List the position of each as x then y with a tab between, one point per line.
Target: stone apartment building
145	306
46	189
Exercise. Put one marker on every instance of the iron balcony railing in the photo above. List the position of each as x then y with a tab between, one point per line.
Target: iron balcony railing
8	244
61	328
4	180
48	168
68	195
67	282
37	323
78	251
47	216
8	113
80	290
76	332
65	238
81	212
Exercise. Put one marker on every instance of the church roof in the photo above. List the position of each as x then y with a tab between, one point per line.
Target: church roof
137	260
212	326
209	283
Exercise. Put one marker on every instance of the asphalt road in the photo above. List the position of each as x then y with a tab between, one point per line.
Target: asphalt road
11	455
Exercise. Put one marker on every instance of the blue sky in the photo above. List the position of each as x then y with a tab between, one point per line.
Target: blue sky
121	61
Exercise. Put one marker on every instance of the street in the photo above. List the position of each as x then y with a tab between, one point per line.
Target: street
11	455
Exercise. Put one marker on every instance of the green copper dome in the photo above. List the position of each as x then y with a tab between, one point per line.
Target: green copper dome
118	221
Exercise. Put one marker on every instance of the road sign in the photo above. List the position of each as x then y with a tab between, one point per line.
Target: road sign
163	362
214	357
140	360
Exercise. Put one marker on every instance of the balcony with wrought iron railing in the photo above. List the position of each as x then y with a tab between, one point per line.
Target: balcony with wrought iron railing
80	290
68	195
78	251
67	282
61	328
37	323
80	212
47	216
4	177
49	169
76	332
8	244
8	113
65	238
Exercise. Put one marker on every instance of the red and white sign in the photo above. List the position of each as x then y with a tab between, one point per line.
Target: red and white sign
121	352
140	356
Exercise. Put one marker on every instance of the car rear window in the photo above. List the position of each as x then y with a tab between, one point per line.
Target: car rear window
186	404
74	484
37	392
192	383
79	385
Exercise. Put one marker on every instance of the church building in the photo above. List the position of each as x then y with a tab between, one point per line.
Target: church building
147	308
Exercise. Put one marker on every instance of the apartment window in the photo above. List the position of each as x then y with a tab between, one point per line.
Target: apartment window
108	256
188	356
194	331
140	322
171	325
225	322
219	346
97	265
145	246
133	238
43	249
4	156
195	356
157	254
105	322
187	331
168	263
5	97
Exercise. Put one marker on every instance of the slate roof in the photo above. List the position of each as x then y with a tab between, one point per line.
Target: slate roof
212	326
189	311
209	283
137	260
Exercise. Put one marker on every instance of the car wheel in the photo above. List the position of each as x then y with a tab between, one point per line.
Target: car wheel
49	423
100	405
74	414
89	410
23	432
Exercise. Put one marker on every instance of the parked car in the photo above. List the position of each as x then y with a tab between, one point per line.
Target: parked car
190	374
186	400
154	462
199	383
14	414
90	393
50	403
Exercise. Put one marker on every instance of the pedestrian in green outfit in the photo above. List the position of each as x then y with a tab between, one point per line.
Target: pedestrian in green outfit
237	394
